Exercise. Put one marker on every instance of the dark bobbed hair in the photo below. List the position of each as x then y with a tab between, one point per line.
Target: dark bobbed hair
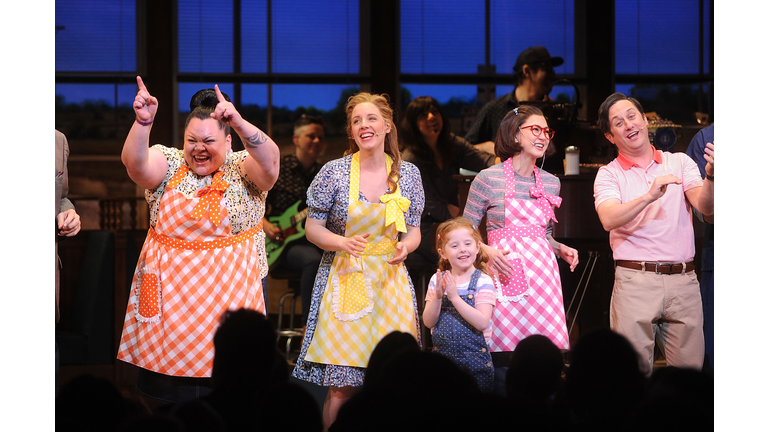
442	236
305	120
202	104
413	140
603	122
506	144
390	140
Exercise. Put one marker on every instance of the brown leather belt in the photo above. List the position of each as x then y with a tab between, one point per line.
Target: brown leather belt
658	267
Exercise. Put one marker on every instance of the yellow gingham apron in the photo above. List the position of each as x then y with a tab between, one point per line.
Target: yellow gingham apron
365	298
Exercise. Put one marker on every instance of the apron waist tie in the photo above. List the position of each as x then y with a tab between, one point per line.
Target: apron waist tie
385	247
531	231
205	245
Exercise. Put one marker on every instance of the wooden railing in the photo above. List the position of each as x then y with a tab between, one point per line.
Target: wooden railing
127	218
113	213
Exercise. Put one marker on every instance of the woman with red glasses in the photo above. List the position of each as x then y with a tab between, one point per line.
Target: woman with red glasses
519	199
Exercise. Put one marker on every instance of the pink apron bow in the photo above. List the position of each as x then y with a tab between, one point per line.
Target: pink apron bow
545	201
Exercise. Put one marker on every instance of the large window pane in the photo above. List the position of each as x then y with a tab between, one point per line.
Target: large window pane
111	95
328	101
206	36
254	104
95	35
187	90
323	97
516	26
657	37
317	37
96	119
708	28
95	112
253	28
442	37
676	103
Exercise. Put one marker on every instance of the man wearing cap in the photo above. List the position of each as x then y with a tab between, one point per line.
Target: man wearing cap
534	75
644	199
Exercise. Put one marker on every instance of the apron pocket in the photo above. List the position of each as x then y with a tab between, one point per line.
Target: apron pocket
352	290
515	287
148	296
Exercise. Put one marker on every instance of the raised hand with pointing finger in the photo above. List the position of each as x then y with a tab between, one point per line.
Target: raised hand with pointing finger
145	105
206	202
225	111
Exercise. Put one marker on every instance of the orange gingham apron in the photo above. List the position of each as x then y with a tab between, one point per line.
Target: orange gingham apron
531	301
191	270
365	298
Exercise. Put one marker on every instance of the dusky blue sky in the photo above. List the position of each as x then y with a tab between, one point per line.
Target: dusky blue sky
653	36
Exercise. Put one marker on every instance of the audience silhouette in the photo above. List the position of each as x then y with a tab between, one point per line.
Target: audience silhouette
534	377
409	389
251	390
604	382
88	404
679	398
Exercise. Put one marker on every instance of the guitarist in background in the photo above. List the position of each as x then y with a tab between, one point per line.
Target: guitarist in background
297	171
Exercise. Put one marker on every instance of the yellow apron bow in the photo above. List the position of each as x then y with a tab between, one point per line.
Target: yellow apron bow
396	206
211	199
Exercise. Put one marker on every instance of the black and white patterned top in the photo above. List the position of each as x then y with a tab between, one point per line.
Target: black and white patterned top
291	185
244	200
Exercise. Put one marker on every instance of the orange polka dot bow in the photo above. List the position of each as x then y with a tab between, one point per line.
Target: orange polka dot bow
211	199
396	206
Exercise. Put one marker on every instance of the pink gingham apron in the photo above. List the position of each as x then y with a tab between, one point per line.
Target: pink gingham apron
531	301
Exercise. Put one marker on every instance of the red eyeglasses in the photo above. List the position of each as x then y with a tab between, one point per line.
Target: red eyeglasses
536	130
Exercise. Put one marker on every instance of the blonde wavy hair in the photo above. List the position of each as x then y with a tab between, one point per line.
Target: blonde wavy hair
390	140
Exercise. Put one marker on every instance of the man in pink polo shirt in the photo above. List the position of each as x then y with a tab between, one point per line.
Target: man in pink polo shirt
644	198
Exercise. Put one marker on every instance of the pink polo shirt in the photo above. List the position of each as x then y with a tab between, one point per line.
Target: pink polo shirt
663	231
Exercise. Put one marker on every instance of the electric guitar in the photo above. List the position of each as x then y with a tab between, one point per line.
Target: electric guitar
290	223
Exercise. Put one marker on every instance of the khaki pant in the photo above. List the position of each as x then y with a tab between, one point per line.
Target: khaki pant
646	306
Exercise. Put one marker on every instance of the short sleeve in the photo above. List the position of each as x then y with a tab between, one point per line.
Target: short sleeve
323	190
606	186
431	289
691	173
410	182
238	167
486	292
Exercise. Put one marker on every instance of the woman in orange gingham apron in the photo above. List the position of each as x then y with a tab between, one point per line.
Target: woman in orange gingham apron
204	252
364	212
518	199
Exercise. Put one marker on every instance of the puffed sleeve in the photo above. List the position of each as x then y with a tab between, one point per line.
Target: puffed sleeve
410	182
324	190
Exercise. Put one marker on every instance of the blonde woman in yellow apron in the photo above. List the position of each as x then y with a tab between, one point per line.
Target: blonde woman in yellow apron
364	212
204	252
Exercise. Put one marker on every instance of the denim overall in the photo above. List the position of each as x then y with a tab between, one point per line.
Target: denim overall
458	340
